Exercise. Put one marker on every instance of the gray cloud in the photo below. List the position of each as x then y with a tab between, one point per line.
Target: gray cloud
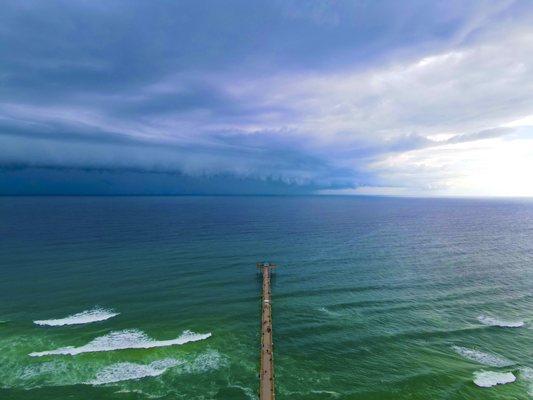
308	96
481	135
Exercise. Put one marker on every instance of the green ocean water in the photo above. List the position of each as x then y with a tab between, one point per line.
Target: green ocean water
375	298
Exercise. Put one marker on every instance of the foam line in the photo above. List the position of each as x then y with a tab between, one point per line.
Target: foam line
483	358
126	339
491	321
85	317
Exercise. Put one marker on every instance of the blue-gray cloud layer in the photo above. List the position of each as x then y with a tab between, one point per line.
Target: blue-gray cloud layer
225	97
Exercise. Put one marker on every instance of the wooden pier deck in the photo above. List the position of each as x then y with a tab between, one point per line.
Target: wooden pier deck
266	373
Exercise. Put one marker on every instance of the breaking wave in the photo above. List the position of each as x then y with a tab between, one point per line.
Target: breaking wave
126	339
126	371
491	321
490	378
482	358
84	317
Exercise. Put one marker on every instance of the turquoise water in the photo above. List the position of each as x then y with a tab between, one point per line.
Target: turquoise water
375	298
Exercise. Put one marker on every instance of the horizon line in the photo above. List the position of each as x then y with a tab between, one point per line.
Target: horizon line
402	196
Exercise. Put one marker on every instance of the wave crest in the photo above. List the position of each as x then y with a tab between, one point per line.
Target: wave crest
126	339
491	321
85	317
490	378
482	358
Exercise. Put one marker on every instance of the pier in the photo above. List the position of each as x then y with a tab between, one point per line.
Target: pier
266	371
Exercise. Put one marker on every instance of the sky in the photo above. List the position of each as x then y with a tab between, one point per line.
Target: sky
411	98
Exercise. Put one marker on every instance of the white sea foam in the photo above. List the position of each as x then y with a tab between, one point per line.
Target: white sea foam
491	321
127	339
35	375
483	358
47	368
126	371
490	378
84	317
327	393
210	360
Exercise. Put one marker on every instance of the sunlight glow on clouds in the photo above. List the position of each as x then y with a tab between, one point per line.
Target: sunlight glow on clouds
492	167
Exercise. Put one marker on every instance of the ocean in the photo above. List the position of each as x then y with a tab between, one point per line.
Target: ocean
159	297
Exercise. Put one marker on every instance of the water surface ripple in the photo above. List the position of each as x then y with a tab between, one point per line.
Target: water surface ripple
376	298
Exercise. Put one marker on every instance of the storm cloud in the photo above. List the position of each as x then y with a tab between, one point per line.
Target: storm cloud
258	97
